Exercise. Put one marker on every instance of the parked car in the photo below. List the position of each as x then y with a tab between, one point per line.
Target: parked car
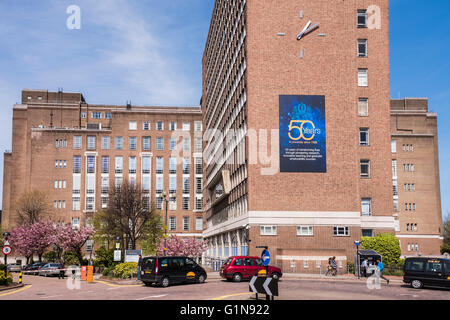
34	269
245	267
427	271
168	270
14	267
50	269
27	267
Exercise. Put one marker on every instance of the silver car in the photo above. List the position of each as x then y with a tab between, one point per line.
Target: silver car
14	267
50	269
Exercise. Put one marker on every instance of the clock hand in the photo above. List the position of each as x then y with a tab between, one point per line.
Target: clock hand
305	32
299	36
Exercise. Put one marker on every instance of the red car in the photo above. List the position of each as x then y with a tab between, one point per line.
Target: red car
245	267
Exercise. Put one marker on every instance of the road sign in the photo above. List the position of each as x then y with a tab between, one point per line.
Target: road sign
6	250
265	257
132	255
117	255
89	245
6	243
268	286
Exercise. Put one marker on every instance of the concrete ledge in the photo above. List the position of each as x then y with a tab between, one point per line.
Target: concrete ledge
14	286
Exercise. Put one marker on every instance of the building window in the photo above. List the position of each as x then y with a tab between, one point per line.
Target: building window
186	186
146	125
105	143
198	224
119	143
132	143
77	142
341	231
185	223
77	164
108	115
186	126
363	78
199	204
362	18
186	144
159	165
198	185
198	166
145	165
159	143
363	107
119	165
132	125
172	223
172	165
146	184
132	165
366	207
159	184
396	209
76	203
363	136
173	184
146	143
185	203
173	203
393	146
367	233
91	164
186	165
362	47
172	144
172	126
198	144
159	125
91	142
159	201
365	168
83	115
104	202
268	230
198	126
305	231
96	115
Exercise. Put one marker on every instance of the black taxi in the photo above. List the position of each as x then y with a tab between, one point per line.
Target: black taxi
427	271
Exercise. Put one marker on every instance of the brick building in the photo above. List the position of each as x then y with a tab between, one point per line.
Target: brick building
73	151
256	60
416	183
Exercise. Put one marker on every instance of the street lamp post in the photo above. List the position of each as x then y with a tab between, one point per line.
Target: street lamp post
165	222
357	244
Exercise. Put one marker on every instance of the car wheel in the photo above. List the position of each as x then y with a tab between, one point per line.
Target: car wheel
201	278
416	284
275	276
165	282
237	277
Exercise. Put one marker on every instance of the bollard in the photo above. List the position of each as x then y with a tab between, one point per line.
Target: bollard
20	277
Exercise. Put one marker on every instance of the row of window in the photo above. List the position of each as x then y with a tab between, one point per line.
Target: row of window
60	164
406	147
413	247
159	126
60	184
309	231
409	187
185	223
411	227
410	207
59	204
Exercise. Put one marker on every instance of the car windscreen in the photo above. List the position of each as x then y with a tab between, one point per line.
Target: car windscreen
148	264
228	261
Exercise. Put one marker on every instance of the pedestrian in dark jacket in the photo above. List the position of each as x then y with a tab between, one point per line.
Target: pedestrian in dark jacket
61	271
139	267
334	266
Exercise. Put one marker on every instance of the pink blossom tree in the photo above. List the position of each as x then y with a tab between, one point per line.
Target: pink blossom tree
182	247
72	239
29	239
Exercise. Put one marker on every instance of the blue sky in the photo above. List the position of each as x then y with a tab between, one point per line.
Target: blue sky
149	51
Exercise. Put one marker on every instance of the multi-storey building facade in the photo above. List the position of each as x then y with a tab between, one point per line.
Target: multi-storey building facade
74	151
415	177
257	60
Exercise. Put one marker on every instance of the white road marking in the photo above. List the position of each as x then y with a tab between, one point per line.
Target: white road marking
113	288
59	295
159	296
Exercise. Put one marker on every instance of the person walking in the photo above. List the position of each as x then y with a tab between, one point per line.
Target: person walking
364	266
334	266
61	271
329	269
380	270
139	267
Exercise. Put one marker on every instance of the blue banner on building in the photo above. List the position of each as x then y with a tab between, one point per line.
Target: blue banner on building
302	134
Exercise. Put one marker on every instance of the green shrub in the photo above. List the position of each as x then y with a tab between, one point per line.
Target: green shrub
445	248
5	279
386	245
104	258
126	270
50	256
108	271
71	258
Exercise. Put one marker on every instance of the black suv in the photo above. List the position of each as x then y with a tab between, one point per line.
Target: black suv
423	271
168	270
